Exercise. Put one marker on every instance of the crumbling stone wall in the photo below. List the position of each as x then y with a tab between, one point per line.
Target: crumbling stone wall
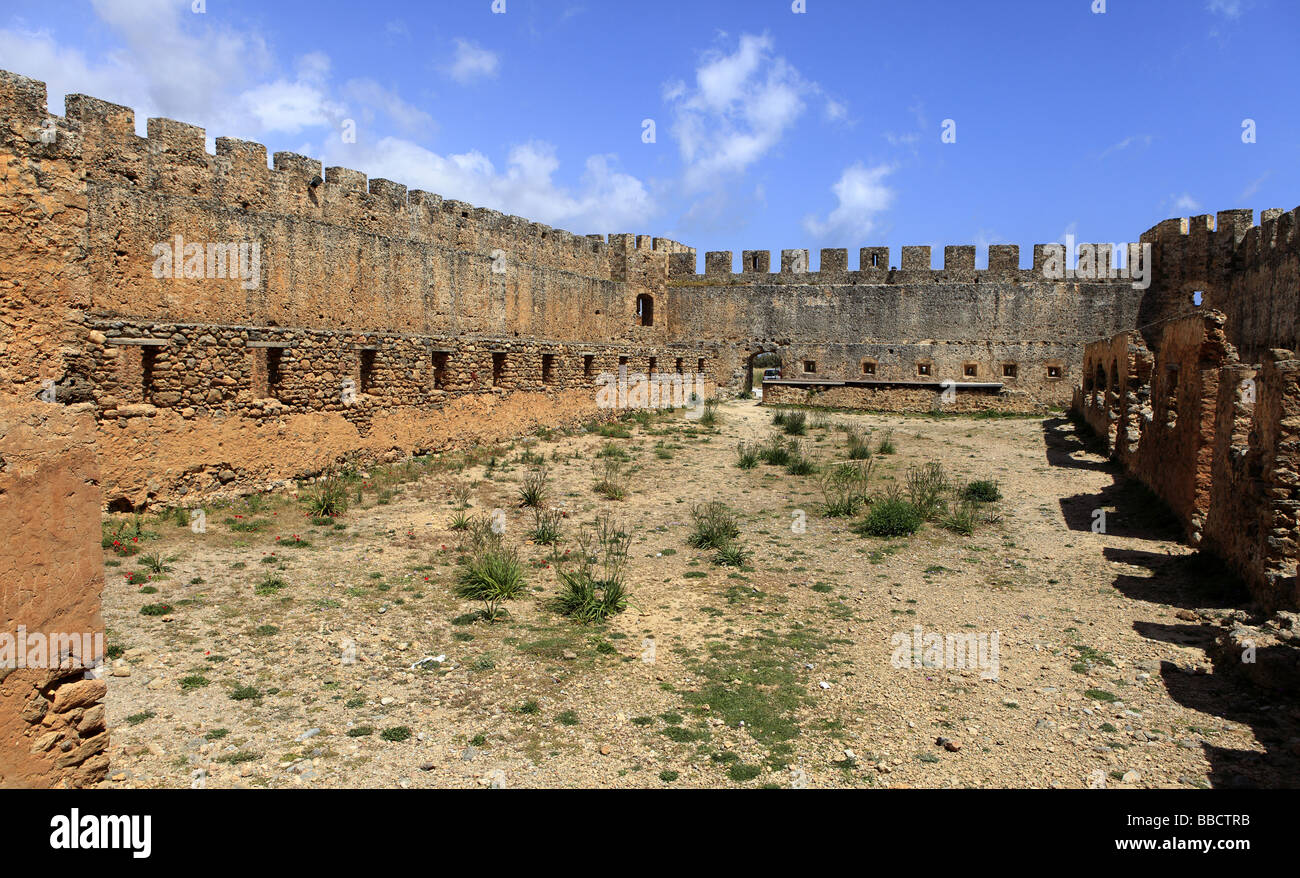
886	397
52	730
1211	417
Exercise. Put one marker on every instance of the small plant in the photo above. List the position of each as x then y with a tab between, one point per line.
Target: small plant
844	489
890	517
546	526
533	492
270	584
155	563
799	464
329	499
396	734
775	452
491	575
155	609
982	491
194	682
886	445
460	493
926	486
779	416
731	555
715	525
709	417
460	522
746	455
611	479
961	517
796	424
594	587
859	446
245	693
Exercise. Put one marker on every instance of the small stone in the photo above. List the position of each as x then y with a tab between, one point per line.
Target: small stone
1131	776
605	749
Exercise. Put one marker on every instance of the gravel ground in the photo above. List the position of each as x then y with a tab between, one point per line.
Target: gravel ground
784	672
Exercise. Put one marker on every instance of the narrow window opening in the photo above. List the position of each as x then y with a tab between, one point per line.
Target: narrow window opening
367	371
645	310
498	369
922	368
810	366
548	368
1053	371
274	372
588	366
148	365
1008	370
440	359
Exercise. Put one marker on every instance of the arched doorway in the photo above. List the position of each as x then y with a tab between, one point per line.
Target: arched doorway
756	365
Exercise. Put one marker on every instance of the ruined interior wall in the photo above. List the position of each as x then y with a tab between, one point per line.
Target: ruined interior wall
1175	453
1254	514
52	729
887	398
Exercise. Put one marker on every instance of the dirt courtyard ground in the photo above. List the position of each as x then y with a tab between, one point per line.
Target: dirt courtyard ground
282	653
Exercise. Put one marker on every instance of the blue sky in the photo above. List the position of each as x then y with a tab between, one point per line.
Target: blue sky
773	129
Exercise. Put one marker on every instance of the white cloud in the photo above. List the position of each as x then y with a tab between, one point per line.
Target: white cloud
1186	202
1226	8
862	195
605	199
471	62
739	108
1136	140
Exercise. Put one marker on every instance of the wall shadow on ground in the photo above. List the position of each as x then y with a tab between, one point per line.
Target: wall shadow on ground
1191	582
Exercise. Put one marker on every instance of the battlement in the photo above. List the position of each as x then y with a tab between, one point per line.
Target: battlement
874	266
1229	238
172	160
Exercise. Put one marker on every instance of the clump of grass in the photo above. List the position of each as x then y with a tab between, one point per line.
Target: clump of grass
715	525
890	517
962	516
245	693
732	554
611	479
460	522
329	499
155	609
709	417
270	584
859	445
844	488
546	527
775	451
886	445
799	463
396	734
194	682
594	587
982	491
779	417
796	424
491	574
155	563
746	455
532	494
926	486
460	493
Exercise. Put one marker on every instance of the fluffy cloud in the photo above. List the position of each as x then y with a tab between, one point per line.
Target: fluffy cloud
740	107
861	195
471	61
605	199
